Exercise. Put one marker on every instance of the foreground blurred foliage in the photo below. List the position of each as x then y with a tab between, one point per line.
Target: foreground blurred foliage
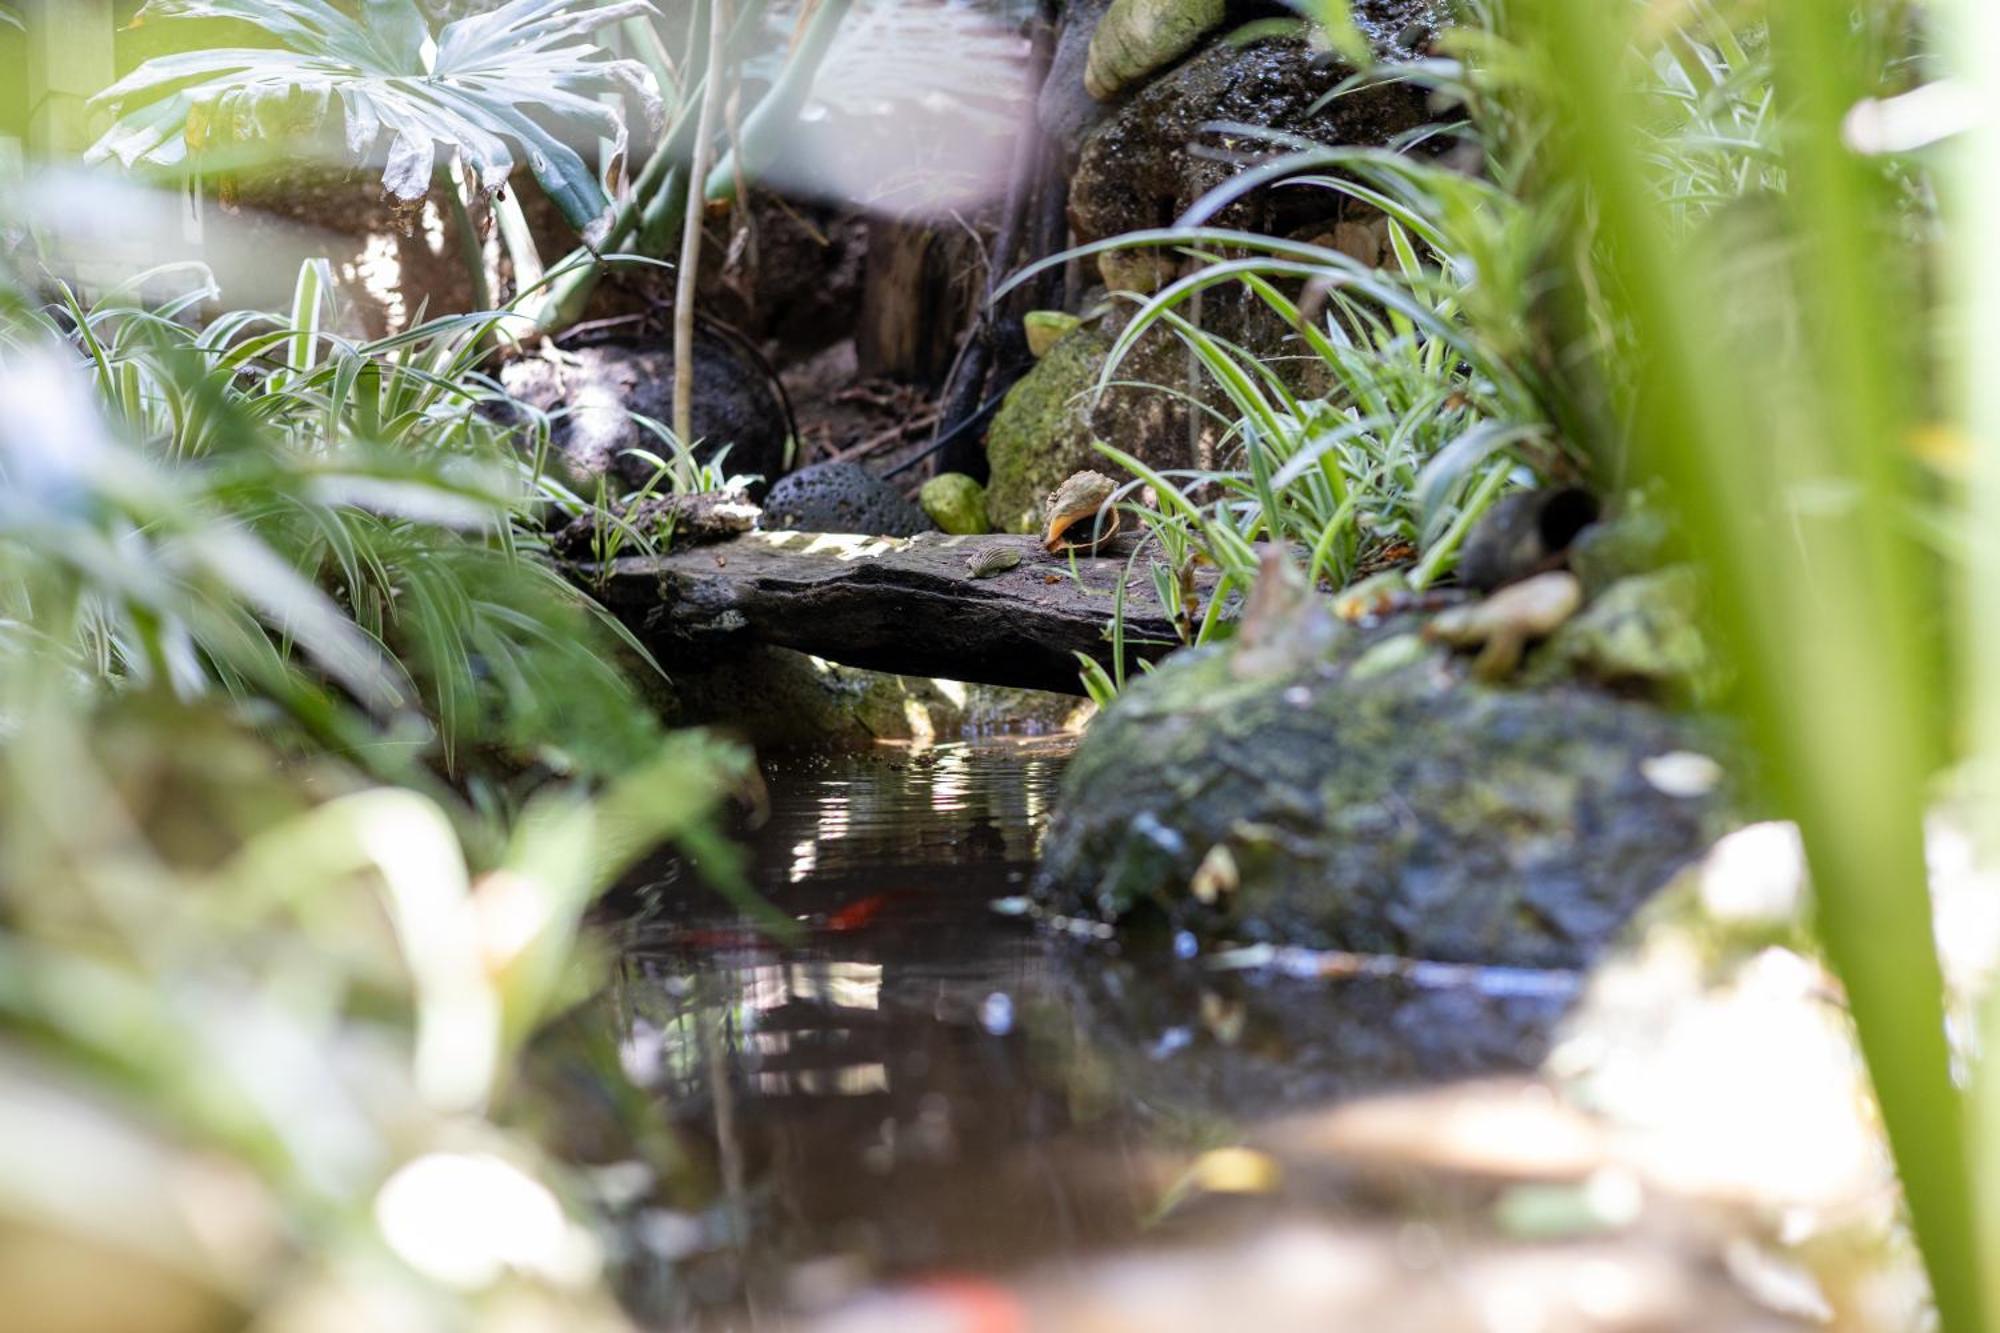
312	765
1694	244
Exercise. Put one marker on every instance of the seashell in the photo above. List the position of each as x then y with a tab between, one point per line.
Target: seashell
1074	506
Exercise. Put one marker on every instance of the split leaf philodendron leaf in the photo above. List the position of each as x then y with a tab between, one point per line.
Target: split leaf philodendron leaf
398	107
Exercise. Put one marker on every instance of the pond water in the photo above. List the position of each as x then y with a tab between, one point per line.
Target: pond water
924	1088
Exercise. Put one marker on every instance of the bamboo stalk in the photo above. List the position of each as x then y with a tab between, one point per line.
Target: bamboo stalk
690	268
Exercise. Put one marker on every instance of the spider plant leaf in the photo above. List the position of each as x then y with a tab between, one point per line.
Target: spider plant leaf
1457	461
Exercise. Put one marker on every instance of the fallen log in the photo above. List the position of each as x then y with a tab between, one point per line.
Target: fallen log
906	605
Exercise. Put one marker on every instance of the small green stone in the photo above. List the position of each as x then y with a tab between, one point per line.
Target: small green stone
1045	328
956	503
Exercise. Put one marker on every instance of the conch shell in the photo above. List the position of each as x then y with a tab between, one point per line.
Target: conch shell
1073	507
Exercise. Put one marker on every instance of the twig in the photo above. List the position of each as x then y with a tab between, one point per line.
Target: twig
900	431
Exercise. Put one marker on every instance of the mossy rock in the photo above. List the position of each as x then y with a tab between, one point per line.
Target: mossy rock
956	503
1644	630
1042	432
1407	811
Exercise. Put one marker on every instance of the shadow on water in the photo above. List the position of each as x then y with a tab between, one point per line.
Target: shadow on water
923	1086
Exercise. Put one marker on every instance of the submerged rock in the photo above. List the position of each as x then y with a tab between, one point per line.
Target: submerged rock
599	387
841	497
1196	1042
1410	810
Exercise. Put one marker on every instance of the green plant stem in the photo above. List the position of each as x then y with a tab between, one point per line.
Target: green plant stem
651	214
775	114
1819	616
518	240
470	252
690	267
1973	203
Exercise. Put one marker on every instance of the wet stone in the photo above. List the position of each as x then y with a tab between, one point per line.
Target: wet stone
1413	811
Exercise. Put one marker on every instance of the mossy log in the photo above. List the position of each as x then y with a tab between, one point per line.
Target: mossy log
907	605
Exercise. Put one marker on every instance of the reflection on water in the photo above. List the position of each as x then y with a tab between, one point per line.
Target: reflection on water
922	1086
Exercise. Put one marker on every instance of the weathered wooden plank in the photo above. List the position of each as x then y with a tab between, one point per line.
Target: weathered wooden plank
907	605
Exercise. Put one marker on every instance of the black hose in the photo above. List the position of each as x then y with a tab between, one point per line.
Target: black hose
979	417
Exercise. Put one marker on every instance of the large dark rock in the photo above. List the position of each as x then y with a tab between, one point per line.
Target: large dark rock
598	387
1395	29
796	287
1137	169
1369	795
841	497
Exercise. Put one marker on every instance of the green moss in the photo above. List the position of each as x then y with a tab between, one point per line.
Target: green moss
1042	432
1379	805
1645	630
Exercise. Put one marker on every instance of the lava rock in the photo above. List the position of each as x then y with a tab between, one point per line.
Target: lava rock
1411	811
841	497
739	416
